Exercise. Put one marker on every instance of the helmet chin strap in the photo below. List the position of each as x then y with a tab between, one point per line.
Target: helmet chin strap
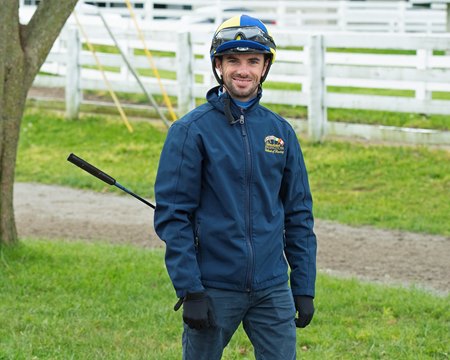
216	75
263	77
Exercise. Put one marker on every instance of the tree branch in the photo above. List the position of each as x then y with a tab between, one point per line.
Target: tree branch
9	44
42	30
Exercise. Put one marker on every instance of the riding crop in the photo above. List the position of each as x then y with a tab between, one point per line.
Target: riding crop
99	174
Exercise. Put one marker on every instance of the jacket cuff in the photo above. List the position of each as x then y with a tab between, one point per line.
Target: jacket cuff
304	292
195	296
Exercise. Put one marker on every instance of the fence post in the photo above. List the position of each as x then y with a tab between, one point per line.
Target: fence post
342	12
219	13
73	76
125	73
148	10
185	75
423	60
317	112
281	13
401	25
448	18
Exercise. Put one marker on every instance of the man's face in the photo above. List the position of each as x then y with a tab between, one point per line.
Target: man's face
242	74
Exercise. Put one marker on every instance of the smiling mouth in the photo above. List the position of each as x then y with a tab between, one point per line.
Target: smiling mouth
242	81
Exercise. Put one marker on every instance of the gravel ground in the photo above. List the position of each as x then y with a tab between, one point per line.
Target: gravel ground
393	257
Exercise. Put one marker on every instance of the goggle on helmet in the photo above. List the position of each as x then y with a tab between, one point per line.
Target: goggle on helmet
242	34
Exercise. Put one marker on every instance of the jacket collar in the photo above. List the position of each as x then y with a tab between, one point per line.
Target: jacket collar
225	104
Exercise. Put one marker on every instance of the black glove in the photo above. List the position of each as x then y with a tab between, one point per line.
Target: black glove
197	311
305	307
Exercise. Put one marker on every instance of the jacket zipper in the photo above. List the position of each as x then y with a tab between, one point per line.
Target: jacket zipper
196	241
248	282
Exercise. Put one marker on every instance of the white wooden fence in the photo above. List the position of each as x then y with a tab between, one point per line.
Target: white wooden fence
321	15
306	71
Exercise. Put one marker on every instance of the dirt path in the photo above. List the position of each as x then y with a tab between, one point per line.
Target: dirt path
371	254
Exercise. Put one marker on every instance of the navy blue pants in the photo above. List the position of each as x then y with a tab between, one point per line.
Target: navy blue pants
267	317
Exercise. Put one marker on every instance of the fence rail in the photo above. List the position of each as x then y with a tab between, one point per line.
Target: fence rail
322	15
307	64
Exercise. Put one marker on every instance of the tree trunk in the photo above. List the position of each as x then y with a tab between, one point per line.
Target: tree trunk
13	105
23	49
2	83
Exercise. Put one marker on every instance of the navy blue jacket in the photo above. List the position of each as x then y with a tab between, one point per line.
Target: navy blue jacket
233	203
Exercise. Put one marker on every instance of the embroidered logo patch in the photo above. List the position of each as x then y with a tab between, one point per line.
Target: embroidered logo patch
274	145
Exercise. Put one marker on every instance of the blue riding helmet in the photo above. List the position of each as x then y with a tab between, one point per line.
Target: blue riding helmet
242	34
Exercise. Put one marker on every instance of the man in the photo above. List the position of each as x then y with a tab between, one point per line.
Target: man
235	210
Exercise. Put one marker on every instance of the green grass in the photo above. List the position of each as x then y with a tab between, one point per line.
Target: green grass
163	74
131	98
387	118
385	186
82	301
76	300
372	51
392	187
47	139
371	117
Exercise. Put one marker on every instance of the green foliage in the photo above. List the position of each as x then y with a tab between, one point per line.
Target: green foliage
76	300
386	186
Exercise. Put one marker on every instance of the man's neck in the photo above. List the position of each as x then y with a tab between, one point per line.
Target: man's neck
240	103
